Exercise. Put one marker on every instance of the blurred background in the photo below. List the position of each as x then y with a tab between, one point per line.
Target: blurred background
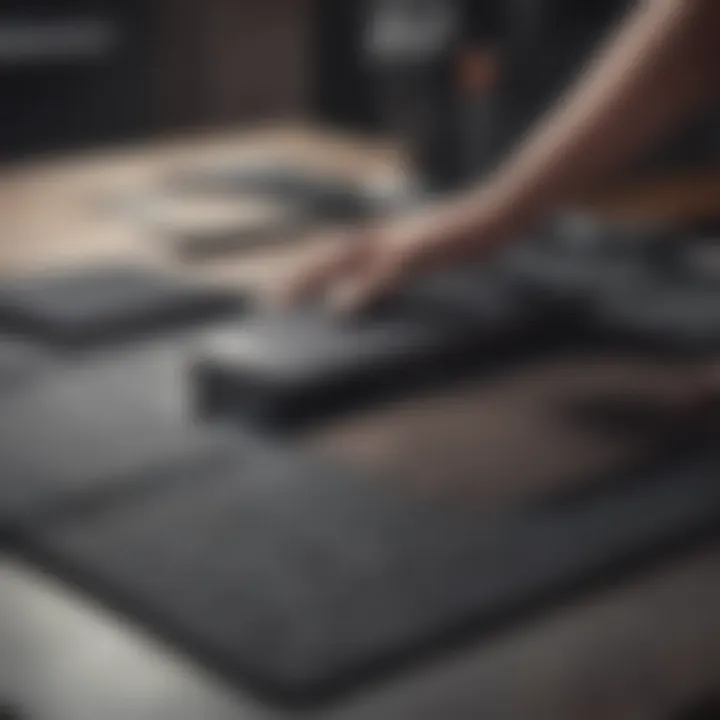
85	72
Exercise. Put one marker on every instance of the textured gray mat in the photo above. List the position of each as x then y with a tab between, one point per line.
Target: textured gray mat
19	362
100	424
103	304
286	368
302	581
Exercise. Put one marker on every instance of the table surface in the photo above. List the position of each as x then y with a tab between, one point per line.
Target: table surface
631	651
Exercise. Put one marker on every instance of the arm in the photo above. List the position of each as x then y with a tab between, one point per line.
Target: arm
655	73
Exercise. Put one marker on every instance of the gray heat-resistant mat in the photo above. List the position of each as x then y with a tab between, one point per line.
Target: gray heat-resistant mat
99	425
20	362
288	368
319	194
679	317
105	303
568	277
302	582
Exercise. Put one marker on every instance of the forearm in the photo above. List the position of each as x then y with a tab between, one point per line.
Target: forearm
655	73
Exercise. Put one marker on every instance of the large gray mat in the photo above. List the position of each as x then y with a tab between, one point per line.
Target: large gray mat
301	581
99	425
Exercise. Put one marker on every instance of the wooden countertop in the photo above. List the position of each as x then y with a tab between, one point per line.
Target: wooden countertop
65	210
60	210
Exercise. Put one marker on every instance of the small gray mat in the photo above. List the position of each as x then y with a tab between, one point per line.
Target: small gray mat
302	581
104	304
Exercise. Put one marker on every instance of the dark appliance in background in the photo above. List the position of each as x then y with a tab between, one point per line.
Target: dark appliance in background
401	66
391	66
409	48
342	92
72	74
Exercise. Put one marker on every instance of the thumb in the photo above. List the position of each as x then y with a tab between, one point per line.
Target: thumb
324	267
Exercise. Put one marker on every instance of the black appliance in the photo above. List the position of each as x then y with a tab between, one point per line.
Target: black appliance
72	73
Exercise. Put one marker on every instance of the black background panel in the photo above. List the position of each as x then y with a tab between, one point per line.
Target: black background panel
302	581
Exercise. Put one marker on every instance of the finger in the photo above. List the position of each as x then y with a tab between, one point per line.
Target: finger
312	275
321	269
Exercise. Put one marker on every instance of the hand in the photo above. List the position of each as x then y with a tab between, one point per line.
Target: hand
363	265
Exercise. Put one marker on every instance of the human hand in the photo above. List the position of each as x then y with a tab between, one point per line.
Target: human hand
361	266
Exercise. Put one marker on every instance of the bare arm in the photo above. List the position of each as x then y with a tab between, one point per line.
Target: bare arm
655	73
